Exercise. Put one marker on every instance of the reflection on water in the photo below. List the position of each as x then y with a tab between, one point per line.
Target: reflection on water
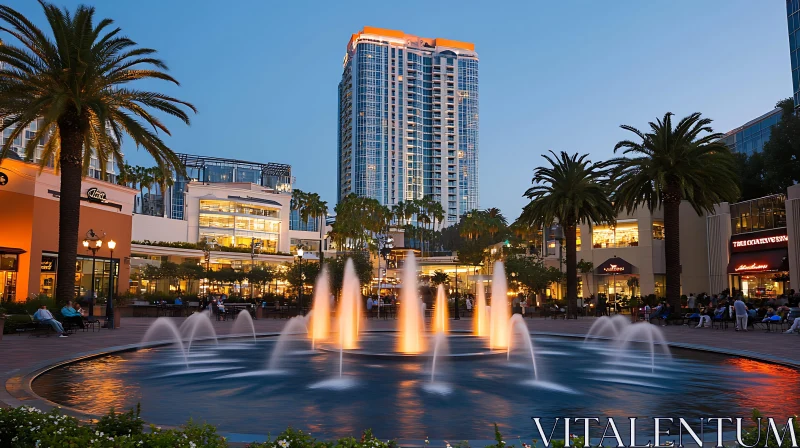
389	394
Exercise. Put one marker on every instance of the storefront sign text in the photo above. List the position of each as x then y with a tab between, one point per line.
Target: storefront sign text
96	195
614	268
751	267
761	241
48	264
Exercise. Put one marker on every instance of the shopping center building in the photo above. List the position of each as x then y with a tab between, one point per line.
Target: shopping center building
242	208
752	245
29	237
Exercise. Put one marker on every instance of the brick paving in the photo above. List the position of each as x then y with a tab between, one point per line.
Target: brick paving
21	354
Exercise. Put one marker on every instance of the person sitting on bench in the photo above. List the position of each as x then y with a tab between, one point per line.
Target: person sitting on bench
71	315
46	317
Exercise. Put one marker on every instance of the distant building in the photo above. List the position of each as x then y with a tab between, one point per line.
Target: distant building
408	120
793	19
753	135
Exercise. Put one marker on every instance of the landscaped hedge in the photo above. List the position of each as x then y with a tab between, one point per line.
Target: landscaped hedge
199	246
26	427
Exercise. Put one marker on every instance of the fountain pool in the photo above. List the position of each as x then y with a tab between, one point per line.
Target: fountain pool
391	392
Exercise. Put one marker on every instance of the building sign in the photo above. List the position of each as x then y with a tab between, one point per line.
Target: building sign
3	179
95	195
49	264
751	267
759	241
614	269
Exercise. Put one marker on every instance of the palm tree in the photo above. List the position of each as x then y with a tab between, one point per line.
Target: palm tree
76	82
570	191
669	165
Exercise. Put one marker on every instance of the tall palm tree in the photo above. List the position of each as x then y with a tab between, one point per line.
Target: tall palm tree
668	165
570	191
76	82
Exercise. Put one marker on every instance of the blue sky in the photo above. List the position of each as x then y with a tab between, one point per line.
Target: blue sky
554	74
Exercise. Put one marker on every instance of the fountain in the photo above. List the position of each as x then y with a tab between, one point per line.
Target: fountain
518	321
349	314
412	322
440	315
243	322
646	333
296	325
321	314
499	315
440	349
609	327
480	324
164	324
190	326
390	371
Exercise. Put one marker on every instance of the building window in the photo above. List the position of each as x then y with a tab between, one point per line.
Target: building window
658	229
624	234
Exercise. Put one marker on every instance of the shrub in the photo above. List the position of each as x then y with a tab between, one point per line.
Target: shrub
14	321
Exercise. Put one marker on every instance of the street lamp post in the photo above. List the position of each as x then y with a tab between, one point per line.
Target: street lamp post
455	302
110	302
300	291
255	244
207	247
93	243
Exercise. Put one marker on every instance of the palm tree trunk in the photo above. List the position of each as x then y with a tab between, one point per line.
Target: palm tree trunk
672	244
69	206
572	271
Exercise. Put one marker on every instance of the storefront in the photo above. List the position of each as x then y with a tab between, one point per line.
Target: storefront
759	262
614	278
29	241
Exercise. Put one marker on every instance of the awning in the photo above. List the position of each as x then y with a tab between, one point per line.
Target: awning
760	261
11	251
614	265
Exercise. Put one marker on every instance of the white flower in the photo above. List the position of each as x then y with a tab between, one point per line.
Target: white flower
283	443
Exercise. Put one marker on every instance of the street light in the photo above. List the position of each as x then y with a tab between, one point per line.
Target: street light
110	302
255	244
93	242
455	302
207	248
302	278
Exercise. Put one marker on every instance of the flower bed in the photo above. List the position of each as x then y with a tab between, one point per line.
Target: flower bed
25	427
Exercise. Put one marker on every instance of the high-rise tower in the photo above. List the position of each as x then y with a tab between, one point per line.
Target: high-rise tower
408	120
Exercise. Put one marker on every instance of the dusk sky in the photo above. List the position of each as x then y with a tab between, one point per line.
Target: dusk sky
553	74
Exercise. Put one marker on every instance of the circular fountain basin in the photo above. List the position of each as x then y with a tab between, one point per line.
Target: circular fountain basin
230	386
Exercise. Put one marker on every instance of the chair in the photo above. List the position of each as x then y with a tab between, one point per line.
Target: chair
776	321
720	320
92	322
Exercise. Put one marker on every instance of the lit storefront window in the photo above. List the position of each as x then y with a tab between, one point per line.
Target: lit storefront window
223	220
624	234
658	229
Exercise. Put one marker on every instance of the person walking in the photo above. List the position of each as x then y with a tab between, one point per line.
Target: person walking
741	314
691	301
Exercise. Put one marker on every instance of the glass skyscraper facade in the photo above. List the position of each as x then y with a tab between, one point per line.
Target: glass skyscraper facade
793	19
753	135
408	120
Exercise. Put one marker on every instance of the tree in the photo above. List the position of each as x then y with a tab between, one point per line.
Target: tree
439	277
751	171
782	151
570	191
75	83
531	274
585	268
189	271
301	273
671	164
361	263
260	276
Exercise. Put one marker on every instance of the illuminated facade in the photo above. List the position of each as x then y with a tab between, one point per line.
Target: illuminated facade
29	238
749	246
633	248
408	120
